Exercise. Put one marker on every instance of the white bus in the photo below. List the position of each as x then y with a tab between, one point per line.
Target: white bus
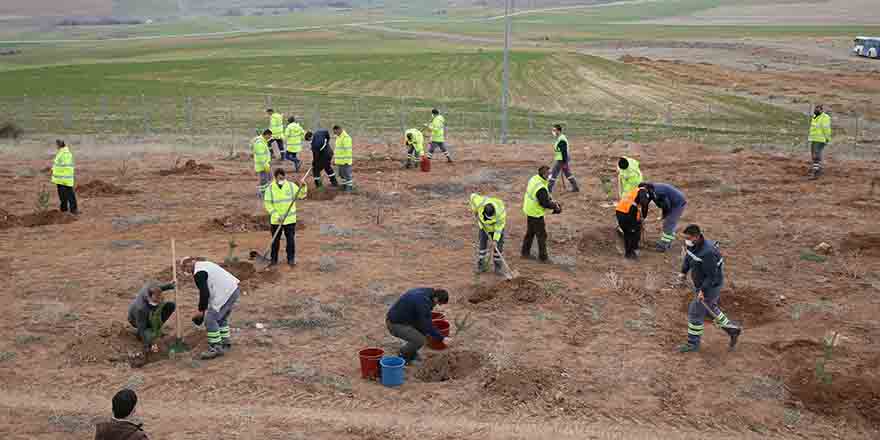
867	47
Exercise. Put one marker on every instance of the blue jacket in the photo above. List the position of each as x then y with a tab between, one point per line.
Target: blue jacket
706	266
321	142
668	197
414	309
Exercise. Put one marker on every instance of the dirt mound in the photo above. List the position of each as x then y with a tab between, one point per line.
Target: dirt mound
240	223
98	188
119	343
520	385
325	193
868	244
747	305
449	365
188	168
54	217
520	290
856	398
245	223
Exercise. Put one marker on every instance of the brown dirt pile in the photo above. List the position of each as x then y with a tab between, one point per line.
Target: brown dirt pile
98	188
54	217
520	290
119	343
188	168
240	223
856	398
245	223
325	193
449	365
749	306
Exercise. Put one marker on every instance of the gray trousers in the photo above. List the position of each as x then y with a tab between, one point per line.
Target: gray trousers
697	314
484	250
436	145
415	340
816	150
265	180
217	321
670	222
345	178
560	167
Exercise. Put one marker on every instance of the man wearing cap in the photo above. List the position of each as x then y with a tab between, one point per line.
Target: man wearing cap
121	426
410	319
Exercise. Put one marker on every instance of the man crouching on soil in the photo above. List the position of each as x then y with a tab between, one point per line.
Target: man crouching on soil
148	313
218	293
410	319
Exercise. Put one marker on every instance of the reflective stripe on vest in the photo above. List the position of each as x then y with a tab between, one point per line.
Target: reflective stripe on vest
626	203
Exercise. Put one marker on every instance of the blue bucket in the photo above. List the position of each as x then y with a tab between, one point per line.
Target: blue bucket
392	371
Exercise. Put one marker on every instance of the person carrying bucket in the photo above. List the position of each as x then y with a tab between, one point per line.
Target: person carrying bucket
410	319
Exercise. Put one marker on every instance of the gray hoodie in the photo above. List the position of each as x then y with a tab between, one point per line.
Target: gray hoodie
140	309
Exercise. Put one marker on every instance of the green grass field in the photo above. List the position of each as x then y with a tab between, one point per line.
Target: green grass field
379	83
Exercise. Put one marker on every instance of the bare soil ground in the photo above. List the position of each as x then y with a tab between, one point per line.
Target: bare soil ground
581	348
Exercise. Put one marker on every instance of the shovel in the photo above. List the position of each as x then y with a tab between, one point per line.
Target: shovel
265	258
178	346
508	272
730	324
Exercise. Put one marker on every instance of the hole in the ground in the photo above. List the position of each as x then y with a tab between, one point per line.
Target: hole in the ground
747	305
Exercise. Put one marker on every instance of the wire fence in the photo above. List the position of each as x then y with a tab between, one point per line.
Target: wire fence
231	122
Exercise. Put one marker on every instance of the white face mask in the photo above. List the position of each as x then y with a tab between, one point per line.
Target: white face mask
689	243
281	182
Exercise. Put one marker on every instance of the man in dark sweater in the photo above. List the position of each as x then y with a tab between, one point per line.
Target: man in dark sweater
322	156
120	427
672	204
148	312
410	319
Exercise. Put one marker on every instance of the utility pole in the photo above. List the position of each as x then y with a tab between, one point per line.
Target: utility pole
505	81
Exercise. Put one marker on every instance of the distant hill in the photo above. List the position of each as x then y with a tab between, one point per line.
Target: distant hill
56	8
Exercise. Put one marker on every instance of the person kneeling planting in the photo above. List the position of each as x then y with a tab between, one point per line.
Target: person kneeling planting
410	319
148	313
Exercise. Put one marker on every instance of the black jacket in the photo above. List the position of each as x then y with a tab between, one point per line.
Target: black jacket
321	142
706	265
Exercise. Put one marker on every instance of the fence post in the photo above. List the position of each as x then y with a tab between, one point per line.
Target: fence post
268	101
68	120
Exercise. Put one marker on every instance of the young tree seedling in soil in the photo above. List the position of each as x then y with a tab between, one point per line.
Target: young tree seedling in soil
828	343
463	324
42	204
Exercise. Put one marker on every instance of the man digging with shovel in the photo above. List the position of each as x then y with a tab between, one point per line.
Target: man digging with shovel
280	203
491	219
703	260
218	293
148	313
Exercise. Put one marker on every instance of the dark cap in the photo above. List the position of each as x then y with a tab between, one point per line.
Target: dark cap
441	295
124	403
623	163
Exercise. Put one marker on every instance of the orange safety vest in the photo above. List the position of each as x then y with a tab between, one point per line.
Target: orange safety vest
626	203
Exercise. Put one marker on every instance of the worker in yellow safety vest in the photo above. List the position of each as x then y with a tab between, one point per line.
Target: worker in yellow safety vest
280	203
62	177
293	134
415	142
491	218
820	137
343	157
262	160
561	160
629	176
438	134
536	201
276	124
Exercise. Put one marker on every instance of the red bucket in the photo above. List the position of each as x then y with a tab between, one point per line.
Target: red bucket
442	326
370	362
438	316
426	164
